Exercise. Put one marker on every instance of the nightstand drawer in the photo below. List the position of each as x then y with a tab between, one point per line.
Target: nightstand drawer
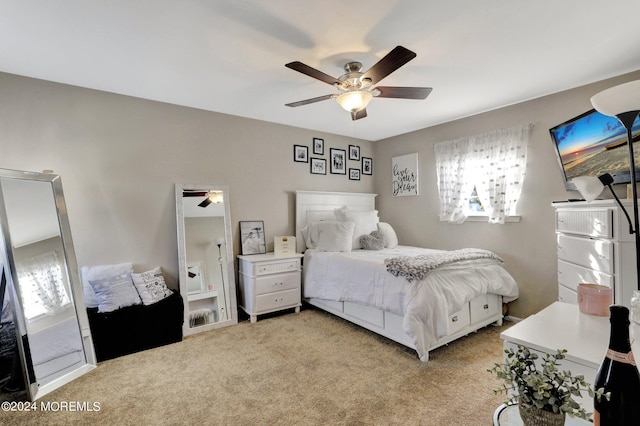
276	267
279	282
277	300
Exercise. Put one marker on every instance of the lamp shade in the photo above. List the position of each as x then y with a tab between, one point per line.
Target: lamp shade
618	99
355	100
588	186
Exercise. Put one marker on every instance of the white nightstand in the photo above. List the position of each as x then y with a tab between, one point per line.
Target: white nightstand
269	283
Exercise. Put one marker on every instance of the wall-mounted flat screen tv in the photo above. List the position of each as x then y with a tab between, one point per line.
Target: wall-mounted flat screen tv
592	144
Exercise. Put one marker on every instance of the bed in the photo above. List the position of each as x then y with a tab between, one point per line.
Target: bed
423	311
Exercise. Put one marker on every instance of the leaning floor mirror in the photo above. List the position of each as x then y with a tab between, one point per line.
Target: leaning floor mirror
205	257
45	340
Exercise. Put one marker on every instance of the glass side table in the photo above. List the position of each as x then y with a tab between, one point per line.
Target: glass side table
507	415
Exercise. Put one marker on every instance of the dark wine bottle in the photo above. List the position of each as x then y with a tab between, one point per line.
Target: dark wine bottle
618	375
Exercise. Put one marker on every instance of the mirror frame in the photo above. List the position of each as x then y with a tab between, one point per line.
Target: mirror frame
182	258
33	389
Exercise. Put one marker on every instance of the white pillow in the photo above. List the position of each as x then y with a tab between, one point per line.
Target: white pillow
310	232
115	292
365	222
151	286
89	273
390	237
335	236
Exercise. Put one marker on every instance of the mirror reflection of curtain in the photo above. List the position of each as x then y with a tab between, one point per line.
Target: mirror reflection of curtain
42	285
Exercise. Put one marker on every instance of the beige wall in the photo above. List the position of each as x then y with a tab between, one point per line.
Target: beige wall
119	158
528	247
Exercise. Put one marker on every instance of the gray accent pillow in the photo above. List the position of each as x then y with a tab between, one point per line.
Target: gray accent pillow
373	241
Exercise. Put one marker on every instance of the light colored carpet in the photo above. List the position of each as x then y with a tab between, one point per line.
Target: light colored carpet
292	369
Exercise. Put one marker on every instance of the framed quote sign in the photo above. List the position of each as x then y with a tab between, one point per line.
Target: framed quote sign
404	171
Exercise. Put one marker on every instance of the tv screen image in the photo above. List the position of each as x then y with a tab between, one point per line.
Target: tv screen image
592	144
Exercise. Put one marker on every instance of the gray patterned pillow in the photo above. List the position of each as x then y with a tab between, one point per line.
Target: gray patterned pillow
373	241
151	286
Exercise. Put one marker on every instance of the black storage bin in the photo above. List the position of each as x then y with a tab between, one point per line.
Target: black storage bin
136	328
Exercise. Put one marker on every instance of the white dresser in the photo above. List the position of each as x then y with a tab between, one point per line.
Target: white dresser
269	283
594	246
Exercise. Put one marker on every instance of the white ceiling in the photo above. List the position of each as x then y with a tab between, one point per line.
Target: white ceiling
229	56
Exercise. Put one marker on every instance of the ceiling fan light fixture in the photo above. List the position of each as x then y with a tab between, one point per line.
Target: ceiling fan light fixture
215	197
355	100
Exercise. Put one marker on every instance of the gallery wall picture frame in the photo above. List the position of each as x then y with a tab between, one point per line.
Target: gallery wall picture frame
354	174
318	146
367	166
338	161
354	152
252	240
300	153
318	166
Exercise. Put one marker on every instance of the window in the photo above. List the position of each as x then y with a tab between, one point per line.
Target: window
42	286
482	174
475	205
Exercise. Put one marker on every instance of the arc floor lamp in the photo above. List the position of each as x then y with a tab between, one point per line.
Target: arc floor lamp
622	102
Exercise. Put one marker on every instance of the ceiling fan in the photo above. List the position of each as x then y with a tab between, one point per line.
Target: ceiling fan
355	86
211	196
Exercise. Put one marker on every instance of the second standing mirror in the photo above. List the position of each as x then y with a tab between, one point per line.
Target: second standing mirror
207	281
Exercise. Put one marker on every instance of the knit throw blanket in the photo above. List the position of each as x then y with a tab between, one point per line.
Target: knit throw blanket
416	268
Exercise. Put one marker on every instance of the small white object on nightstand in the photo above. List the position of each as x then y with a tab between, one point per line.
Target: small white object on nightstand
269	283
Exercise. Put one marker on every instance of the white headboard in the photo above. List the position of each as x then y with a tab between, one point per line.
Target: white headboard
319	205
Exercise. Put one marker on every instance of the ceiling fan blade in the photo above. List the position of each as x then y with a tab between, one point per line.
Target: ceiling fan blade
205	202
357	115
312	72
402	92
187	193
391	62
310	101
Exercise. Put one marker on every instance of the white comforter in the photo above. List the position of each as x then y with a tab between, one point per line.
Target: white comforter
361	277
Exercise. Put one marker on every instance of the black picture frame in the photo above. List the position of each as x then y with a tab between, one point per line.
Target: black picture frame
338	161
354	152
318	146
367	166
252	240
318	166
300	154
354	174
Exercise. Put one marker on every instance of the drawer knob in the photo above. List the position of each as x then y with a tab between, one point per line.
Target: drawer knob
486	306
454	319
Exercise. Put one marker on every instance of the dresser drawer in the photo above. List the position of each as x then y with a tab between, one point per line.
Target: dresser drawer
459	320
570	275
592	222
567	295
279	282
587	252
277	300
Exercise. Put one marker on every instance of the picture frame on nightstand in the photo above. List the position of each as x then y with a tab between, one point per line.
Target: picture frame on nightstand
252	237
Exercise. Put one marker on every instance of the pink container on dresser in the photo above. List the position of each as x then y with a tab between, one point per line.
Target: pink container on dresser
594	299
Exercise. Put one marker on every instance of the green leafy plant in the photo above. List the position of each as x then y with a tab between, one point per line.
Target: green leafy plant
542	386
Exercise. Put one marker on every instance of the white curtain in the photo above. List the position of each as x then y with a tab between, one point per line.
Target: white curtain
494	163
42	286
